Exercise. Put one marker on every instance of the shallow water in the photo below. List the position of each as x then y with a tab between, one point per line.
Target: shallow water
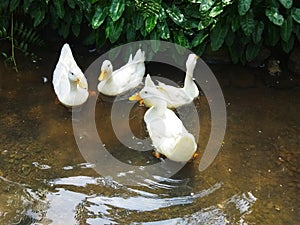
44	178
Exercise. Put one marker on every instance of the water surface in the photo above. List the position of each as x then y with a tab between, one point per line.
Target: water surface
44	179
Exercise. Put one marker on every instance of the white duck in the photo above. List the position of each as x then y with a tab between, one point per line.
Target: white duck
70	84
168	134
129	76
176	96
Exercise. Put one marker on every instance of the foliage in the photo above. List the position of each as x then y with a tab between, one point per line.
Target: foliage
19	37
242	26
185	23
252	24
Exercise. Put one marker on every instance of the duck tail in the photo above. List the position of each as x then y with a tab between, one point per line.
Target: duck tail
184	148
139	56
130	59
65	52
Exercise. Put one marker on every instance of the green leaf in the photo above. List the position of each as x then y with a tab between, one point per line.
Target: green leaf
215	11
116	9
180	39
130	32
59	9
296	14
143	31
150	23
4	55
199	50
245	39
100	39
274	3
162	14
76	29
296	29
244	6
203	24
78	16
71	4
113	29
38	15
206	5
99	17
286	3
13	5
230	38
226	2
26	5
154	44
273	35
137	21
217	36
235	23
176	15
199	38
64	30
192	11
288	46
164	30
257	34
252	51
247	23
274	16
4	4
94	1
286	29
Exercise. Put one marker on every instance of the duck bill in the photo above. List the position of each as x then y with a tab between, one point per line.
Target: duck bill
81	83
102	75
135	97
196	57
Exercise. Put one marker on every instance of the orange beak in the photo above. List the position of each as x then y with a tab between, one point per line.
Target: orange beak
102	76
135	97
81	84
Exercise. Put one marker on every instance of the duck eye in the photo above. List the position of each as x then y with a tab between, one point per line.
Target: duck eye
146	92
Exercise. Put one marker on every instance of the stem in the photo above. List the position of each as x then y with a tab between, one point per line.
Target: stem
12	43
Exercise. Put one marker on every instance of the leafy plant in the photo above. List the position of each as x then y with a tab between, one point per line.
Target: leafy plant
251	24
241	26
184	23
10	37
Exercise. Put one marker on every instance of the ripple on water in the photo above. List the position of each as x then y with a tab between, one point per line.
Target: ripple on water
69	200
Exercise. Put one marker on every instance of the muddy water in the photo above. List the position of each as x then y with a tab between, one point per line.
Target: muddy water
44	179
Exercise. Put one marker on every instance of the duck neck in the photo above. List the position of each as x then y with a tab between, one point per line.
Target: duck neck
188	82
159	107
73	86
109	76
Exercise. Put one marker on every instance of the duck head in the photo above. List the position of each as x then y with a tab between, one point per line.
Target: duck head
77	78
106	69
191	64
152	95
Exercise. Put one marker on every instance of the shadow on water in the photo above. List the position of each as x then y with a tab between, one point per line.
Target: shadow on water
45	180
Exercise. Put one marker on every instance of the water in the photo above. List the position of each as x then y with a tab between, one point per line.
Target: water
44	179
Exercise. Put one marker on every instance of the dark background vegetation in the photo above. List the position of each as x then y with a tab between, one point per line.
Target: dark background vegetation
243	28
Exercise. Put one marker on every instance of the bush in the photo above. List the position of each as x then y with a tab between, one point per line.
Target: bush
247	25
242	26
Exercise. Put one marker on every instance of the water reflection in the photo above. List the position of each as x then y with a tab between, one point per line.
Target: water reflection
65	206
